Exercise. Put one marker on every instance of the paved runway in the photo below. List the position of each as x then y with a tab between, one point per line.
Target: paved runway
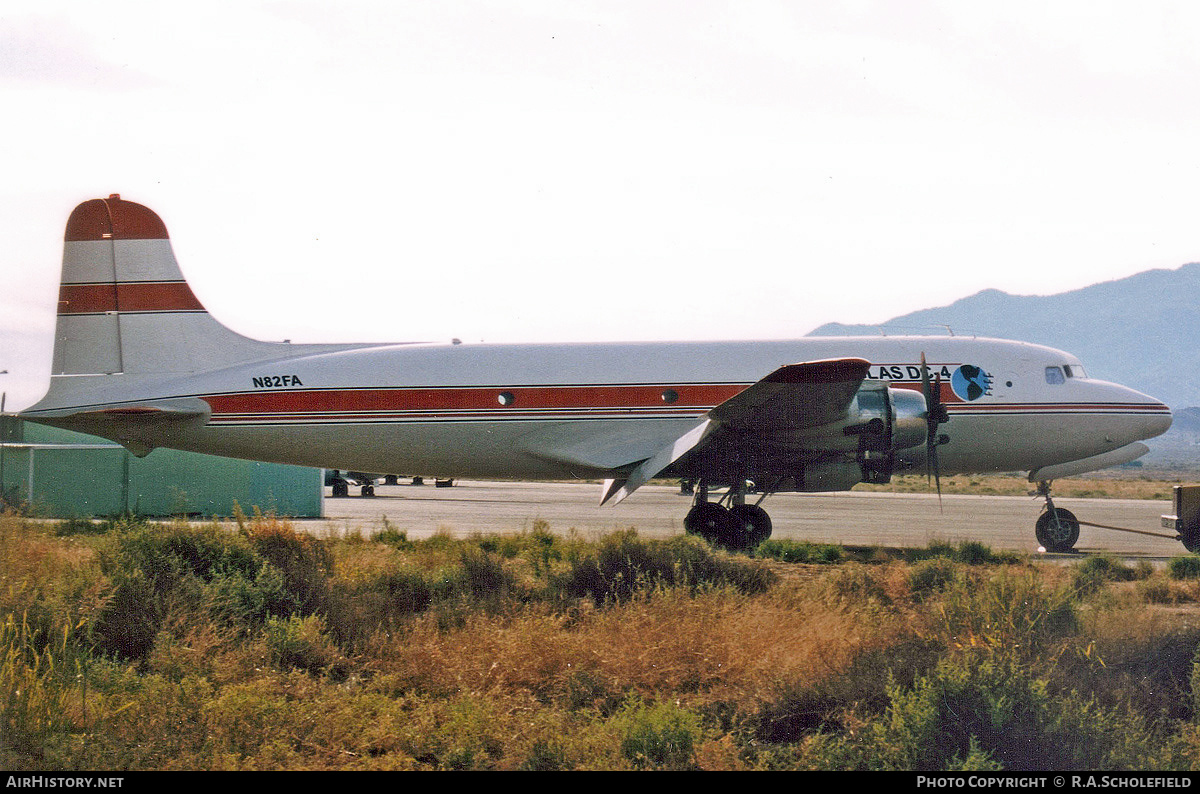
1001	522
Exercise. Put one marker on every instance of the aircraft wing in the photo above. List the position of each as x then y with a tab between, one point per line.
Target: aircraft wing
793	397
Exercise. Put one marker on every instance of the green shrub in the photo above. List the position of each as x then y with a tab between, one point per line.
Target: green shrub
1187	567
1009	610
854	584
658	736
303	560
80	526
989	711
484	577
157	569
167	553
971	552
390	536
796	711
128	623
300	643
787	550
546	757
624	564
931	576
1095	572
404	589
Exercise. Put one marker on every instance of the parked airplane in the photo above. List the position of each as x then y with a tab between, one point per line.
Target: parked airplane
139	360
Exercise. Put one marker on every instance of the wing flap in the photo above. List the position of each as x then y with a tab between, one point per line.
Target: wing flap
623	487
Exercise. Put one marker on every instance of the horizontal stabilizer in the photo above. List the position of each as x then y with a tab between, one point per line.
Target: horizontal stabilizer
138	413
126	423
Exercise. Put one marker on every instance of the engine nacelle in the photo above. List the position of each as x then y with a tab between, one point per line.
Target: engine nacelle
861	447
884	421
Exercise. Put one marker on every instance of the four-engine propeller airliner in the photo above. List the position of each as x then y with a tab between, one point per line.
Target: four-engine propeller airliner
139	360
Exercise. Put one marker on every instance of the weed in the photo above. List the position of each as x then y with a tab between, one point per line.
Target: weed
301	643
546	757
39	682
262	648
80	526
787	550
624	564
1094	572
1185	567
1008	612
931	576
657	736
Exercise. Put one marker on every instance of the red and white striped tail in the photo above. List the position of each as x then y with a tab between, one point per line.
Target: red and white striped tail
124	306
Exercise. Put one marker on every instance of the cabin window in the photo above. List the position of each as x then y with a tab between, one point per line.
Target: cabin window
1054	375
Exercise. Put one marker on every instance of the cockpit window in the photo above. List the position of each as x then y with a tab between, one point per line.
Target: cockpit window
1054	375
1074	371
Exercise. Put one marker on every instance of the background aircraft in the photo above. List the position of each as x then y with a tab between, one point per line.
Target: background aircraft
139	360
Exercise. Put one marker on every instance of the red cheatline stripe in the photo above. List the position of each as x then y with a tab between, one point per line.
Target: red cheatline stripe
144	296
346	417
1082	407
433	416
548	398
472	398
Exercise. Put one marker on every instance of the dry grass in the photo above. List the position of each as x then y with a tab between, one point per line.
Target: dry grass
329	662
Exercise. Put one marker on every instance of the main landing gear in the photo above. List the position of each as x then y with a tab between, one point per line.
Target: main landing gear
739	526
1057	529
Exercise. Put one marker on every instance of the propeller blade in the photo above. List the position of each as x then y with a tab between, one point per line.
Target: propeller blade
934	415
933	440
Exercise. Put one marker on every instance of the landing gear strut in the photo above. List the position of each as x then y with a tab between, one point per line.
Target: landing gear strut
738	527
1057	529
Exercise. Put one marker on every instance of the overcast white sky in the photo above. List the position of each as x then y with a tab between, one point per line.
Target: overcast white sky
538	170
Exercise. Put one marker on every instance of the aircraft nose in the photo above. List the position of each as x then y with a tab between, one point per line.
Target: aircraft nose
1160	423
1149	417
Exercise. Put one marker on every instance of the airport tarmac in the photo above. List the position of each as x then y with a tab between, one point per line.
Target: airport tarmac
849	518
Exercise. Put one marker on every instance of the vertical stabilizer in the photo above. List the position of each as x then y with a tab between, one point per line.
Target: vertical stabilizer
124	306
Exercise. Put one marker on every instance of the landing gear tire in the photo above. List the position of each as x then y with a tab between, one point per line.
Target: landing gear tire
368	490
341	488
708	520
748	526
1057	530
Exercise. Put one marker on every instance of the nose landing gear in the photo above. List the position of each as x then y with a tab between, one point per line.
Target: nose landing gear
1057	529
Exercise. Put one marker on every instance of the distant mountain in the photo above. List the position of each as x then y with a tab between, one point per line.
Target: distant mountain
1142	331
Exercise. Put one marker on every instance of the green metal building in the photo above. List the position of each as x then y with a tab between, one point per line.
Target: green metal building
59	474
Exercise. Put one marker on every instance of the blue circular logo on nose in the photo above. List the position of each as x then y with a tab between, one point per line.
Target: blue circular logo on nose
970	382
